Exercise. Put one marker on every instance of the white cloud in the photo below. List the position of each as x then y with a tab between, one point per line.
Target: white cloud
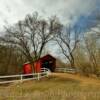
67	10
13	10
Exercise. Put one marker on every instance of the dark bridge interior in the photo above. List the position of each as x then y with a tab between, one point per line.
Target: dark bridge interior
48	64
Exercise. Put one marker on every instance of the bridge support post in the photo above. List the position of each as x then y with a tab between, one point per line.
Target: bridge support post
38	76
21	78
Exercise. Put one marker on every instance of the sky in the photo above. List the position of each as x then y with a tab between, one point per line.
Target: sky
76	12
69	11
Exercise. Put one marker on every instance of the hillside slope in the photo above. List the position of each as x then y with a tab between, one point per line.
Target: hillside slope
84	80
58	86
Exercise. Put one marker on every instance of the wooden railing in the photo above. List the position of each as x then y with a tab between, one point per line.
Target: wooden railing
24	77
68	70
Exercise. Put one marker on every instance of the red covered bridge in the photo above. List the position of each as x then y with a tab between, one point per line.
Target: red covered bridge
47	61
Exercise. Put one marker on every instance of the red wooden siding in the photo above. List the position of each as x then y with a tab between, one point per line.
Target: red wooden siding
27	68
46	61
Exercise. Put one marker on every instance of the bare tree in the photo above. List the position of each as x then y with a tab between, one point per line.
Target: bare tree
11	61
32	34
67	40
92	46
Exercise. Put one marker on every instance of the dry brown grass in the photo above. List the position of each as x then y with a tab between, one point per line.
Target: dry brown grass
84	80
59	86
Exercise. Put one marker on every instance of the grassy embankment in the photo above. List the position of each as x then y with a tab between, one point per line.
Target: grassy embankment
56	87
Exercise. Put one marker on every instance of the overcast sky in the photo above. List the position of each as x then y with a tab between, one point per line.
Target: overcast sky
67	10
